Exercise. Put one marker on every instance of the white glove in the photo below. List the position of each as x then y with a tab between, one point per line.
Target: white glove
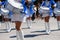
55	5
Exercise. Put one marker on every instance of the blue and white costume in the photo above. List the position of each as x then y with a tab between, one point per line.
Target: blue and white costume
46	9
4	11
57	9
1	4
16	8
29	11
57	13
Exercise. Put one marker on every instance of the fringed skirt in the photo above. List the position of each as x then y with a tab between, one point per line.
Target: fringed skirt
44	11
57	12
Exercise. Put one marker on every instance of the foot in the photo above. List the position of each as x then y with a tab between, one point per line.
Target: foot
48	32
8	30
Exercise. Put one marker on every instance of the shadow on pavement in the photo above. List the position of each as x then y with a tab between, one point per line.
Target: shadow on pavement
29	35
44	31
3	31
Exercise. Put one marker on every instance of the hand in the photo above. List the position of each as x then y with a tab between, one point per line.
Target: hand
55	5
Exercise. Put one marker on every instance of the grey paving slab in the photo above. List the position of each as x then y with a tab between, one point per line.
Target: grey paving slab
37	31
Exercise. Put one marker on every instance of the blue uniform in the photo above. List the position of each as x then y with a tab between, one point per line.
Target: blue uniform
44	3
1	3
4	3
28	11
10	12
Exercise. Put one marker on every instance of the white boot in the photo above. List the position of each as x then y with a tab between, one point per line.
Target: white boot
58	22
8	26
47	27
19	35
28	23
24	19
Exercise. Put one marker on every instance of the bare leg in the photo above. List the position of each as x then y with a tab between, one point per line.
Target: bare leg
19	32
58	21
47	24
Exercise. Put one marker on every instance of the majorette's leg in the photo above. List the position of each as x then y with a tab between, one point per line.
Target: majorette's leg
0	20
0	17
0	24
8	26
28	22
47	27
19	32
58	21
20	35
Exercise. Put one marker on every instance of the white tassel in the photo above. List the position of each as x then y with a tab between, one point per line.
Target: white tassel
47	27
20	35
58	22
28	23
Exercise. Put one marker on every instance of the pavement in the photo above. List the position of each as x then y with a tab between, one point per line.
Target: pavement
37	31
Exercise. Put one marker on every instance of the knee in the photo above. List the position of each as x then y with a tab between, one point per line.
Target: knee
18	25
47	19
58	18
18	28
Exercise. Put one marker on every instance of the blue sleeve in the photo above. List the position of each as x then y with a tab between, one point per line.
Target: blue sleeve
10	13
24	8
23	1
33	0
49	5
51	11
43	3
31	9
53	2
2	3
